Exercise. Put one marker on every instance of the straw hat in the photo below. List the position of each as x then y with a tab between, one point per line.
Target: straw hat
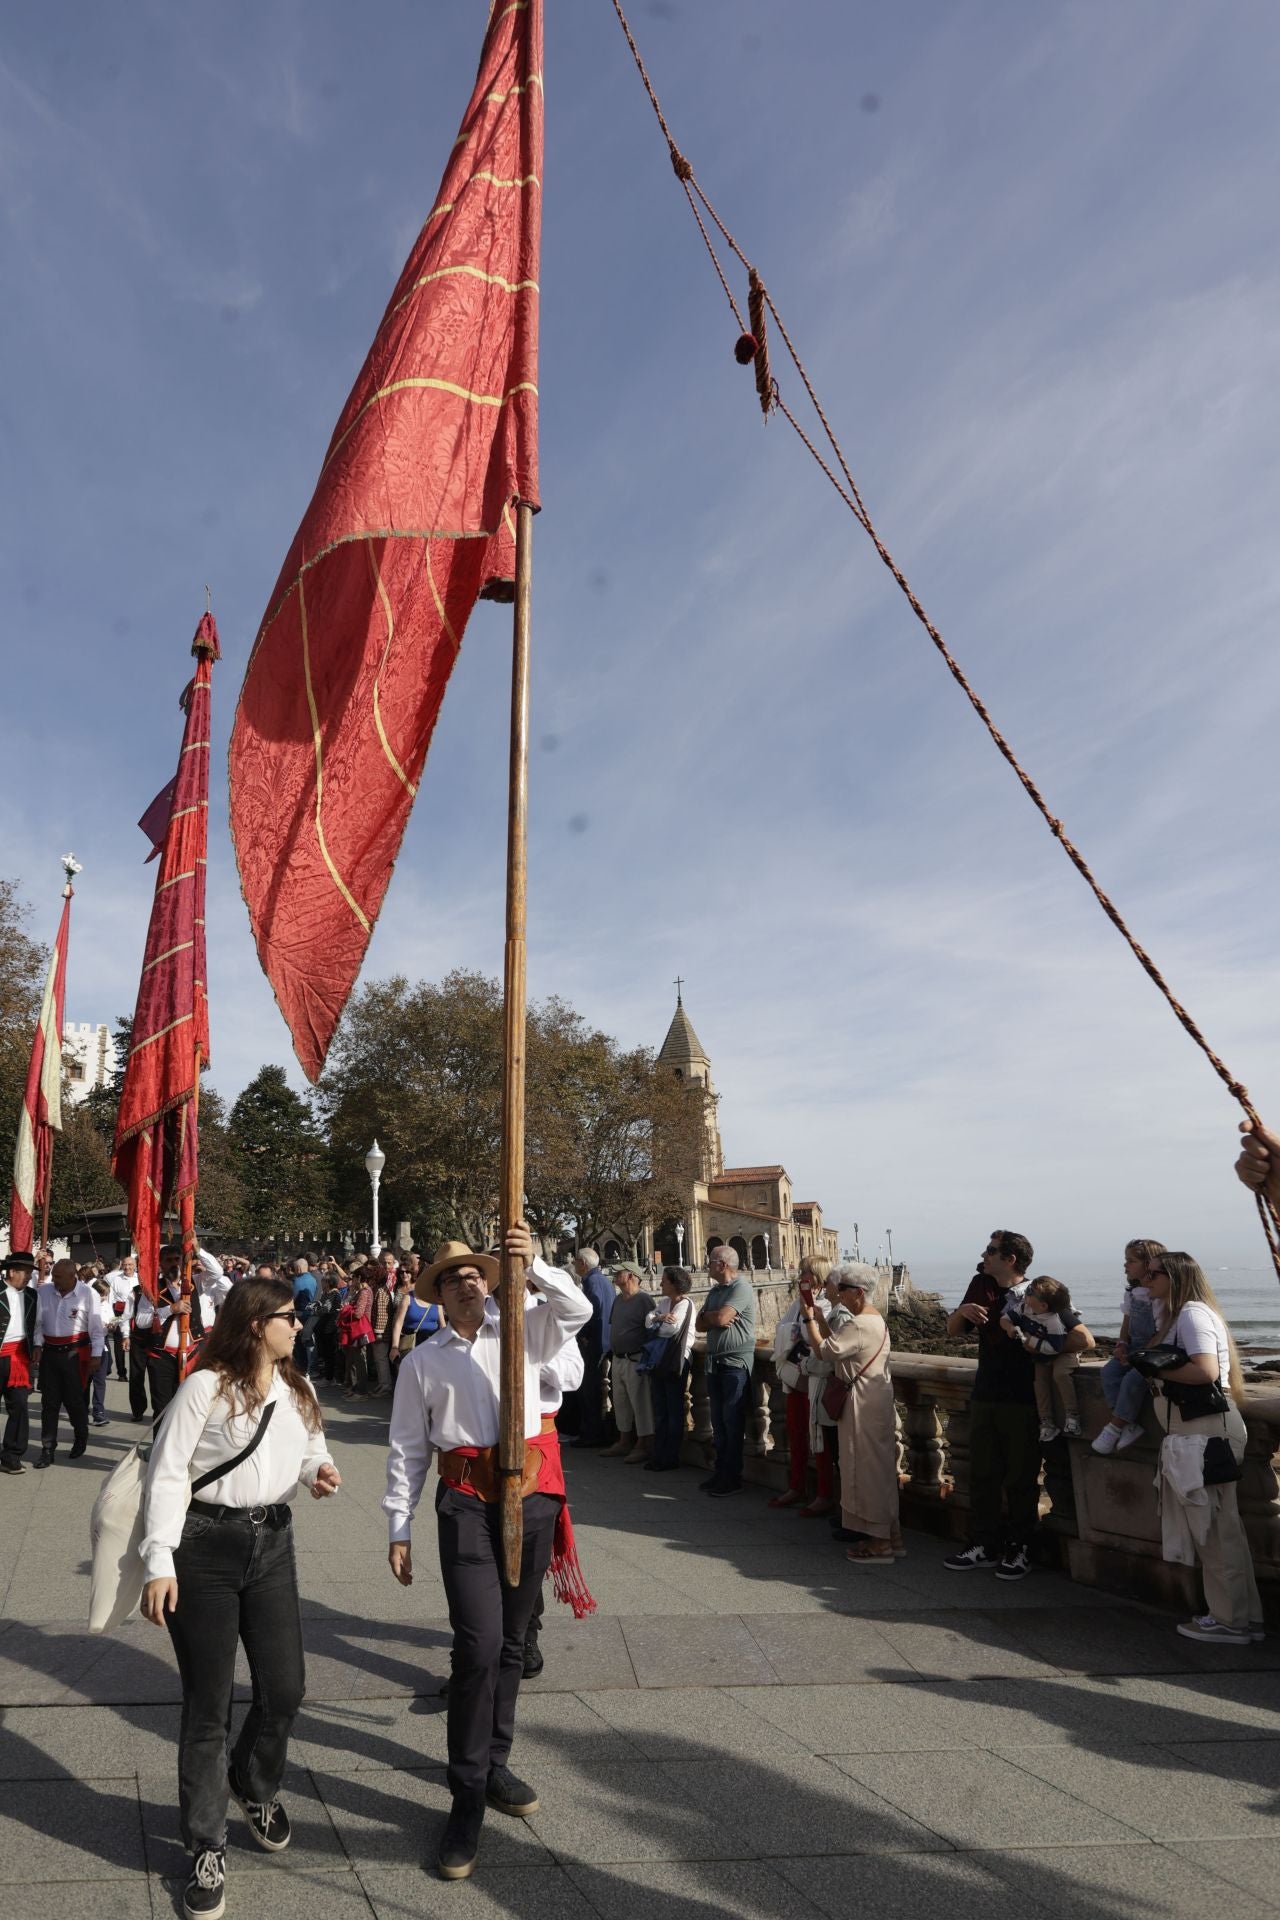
454	1253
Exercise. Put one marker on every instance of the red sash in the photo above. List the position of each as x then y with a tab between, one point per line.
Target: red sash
567	1581
80	1341
18	1354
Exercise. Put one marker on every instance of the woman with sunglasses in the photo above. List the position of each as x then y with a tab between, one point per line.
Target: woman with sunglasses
242	1432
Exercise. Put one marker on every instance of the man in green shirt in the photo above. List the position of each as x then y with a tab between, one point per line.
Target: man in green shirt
728	1319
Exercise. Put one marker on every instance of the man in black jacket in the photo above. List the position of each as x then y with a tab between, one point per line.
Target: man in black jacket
17	1330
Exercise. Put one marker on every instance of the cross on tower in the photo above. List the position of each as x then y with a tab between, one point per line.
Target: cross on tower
679	985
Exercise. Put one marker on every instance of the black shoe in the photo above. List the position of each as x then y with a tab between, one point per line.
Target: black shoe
460	1841
723	1488
11	1466
1015	1564
510	1795
78	1449
46	1457
268	1821
971	1560
204	1896
705	1486
533	1660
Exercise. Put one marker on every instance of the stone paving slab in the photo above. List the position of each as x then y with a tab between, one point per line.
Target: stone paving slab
395	1819
1251	1866
989	1805
315	1846
660	1890
88	1830
706	1651
682	1723
1161	1792
1084	1882
781	1808
286	1895
895	1886
492	1893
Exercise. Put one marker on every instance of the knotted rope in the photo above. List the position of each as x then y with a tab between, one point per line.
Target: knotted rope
752	347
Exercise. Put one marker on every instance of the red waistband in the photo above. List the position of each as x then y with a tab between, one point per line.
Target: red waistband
66	1340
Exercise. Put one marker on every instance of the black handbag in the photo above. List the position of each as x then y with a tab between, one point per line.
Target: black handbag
1195	1400
1220	1464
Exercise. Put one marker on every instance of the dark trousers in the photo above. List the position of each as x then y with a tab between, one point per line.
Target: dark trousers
1004	1473
489	1621
236	1582
162	1371
141	1342
115	1343
60	1386
728	1390
98	1384
590	1396
667	1398
16	1426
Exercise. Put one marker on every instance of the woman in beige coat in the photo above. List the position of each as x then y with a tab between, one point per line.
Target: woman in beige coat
868	1433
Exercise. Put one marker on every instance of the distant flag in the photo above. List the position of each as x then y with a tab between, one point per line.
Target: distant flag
156	1147
411	520
41	1115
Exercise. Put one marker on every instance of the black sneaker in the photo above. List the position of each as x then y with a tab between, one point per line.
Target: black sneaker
460	1841
268	1821
705	1486
11	1466
510	1795
204	1896
533	1660
1015	1565
970	1559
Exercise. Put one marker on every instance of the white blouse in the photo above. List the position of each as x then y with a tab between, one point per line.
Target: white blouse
197	1431
673	1320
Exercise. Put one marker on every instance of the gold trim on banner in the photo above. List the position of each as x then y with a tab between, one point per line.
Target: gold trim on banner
338	880
377	703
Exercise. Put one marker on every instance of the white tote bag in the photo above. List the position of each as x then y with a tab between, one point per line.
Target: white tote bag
115	1530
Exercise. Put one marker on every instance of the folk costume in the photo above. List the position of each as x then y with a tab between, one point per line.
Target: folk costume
210	1286
68	1338
17	1359
447	1403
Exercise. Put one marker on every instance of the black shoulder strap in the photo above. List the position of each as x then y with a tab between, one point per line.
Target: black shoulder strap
239	1458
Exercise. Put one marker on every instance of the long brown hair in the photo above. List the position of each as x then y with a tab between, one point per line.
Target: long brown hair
233	1349
1187	1284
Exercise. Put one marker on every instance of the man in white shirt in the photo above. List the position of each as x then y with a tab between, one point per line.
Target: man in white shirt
121	1282
17	1359
102	1365
446	1402
210	1287
68	1340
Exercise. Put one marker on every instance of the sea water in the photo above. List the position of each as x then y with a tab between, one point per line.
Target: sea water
1248	1296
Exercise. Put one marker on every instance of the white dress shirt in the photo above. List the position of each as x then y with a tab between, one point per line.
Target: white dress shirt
213	1286
15	1333
447	1390
64	1316
197	1431
122	1285
561	1375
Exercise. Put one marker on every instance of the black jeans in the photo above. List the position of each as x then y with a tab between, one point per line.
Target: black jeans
61	1386
237	1581
141	1342
162	1371
667	1390
1004	1472
16	1426
115	1342
489	1621
728	1390
591	1428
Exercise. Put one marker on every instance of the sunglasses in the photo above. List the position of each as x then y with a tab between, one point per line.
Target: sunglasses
288	1314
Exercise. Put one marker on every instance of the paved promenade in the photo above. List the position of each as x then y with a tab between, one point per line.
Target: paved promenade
749	1726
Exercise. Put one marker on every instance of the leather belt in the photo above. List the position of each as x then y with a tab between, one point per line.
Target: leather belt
274	1517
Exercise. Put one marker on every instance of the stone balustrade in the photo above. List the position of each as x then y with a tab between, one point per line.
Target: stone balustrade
1098	1514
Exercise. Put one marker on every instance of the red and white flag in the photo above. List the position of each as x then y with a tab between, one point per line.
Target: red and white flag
42	1102
411	521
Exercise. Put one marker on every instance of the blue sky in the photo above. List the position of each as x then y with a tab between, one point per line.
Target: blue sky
1031	257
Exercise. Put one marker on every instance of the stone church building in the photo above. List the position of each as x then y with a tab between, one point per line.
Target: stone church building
751	1208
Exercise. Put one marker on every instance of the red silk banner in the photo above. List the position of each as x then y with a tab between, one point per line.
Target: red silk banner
41	1112
410	522
156	1147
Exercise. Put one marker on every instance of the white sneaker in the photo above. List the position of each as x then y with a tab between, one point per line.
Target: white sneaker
1048	1432
1205	1627
1071	1427
1109	1439
1128	1434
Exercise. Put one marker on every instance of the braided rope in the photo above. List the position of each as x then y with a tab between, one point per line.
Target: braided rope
770	399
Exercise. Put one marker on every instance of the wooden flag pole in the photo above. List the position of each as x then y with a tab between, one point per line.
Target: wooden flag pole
48	1190
511	1402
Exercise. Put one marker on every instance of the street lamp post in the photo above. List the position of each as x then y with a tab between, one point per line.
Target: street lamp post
767	1267
888	1234
680	1241
375	1160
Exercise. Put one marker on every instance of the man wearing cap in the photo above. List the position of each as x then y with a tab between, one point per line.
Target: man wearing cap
17	1347
69	1341
447	1403
632	1405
